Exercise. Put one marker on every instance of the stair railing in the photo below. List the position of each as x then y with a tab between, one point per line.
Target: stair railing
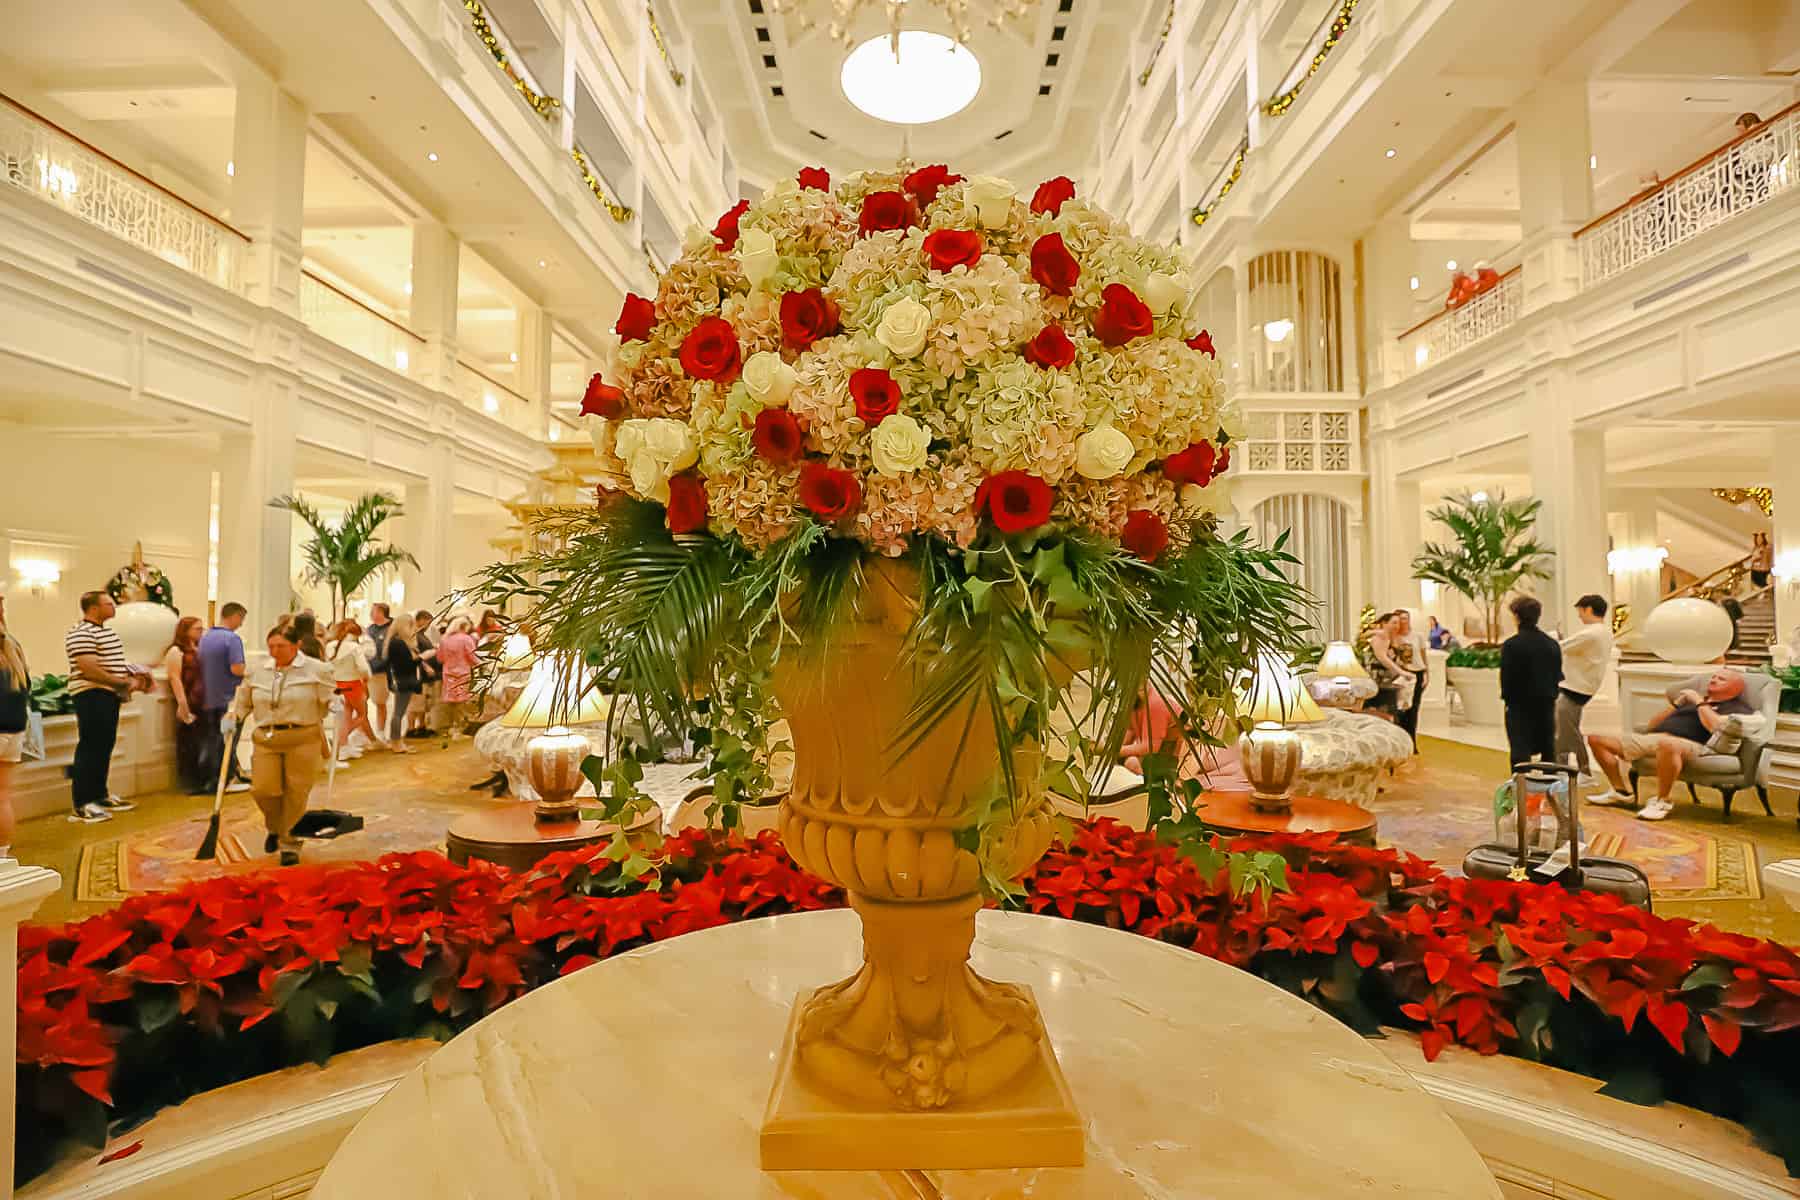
1722	584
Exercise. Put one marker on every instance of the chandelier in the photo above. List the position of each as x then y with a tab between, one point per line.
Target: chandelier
842	14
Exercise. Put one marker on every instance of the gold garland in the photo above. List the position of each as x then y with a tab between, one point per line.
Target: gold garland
1278	105
1762	496
619	212
544	106
1162	40
662	47
1202	212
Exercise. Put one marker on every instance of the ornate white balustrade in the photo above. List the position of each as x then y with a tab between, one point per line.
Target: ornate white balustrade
357	327
1299	441
1744	175
46	161
1443	334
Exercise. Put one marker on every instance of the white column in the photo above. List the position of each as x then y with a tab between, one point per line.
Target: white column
1568	474
1556	189
1639	587
429	512
533	376
268	189
436	263
255	540
22	889
1394	533
1784	478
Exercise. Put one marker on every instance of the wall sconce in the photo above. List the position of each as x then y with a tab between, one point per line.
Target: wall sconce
1428	592
37	573
1633	559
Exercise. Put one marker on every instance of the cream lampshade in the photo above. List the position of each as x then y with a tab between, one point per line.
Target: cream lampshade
1272	698
1339	680
515	653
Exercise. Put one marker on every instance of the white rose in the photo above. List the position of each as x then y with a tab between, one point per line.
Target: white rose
903	327
768	379
1102	452
696	239
654	449
1233	421
756	253
899	445
1163	291
991	197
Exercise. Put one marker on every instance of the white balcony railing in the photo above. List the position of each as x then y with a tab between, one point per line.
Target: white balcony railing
46	161
485	394
1743	175
1300	441
1443	334
356	327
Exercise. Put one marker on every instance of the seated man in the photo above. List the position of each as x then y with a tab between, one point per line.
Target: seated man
1676	736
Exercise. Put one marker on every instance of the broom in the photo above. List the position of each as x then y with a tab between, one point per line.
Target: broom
209	845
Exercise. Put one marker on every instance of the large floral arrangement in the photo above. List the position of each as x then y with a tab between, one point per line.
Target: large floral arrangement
243	974
1008	391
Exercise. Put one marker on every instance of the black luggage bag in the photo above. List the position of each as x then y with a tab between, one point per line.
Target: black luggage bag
1496	860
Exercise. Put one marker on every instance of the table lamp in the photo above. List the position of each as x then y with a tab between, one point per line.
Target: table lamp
515	653
1339	681
1269	751
557	695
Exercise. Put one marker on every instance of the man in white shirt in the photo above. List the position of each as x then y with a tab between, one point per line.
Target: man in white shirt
1586	654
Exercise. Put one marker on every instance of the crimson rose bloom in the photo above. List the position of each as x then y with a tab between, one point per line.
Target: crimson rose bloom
948	248
1053	266
1050	348
777	436
1122	316
1018	500
1193	465
925	182
806	317
727	228
711	352
687	503
817	178
1202	342
1051	193
884	210
1145	535
602	400
828	492
636	319
1223	464
876	395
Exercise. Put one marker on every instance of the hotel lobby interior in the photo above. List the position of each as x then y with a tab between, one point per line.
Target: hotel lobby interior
900	599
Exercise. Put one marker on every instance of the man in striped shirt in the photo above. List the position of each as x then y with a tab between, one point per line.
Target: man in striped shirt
100	681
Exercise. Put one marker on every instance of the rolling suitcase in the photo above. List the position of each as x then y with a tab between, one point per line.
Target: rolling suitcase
1497	860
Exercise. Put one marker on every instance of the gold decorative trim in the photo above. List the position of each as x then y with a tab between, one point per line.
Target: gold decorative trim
662	46
1763	497
1162	39
1278	105
544	106
617	211
1202	212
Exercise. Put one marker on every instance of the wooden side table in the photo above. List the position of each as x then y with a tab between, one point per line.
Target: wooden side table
510	834
1232	813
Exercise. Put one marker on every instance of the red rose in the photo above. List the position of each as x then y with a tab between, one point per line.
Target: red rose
687	503
876	395
806	317
1017	500
726	230
1122	316
777	436
1145	534
884	210
1050	348
710	351
925	182
602	400
948	248
817	178
1051	193
1223	464
829	492
1053	266
636	319
1202	342
1193	465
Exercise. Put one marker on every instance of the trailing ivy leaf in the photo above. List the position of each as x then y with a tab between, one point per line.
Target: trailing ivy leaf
1707	975
157	1005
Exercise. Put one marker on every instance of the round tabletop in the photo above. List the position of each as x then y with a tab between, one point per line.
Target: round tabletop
1233	812
647	1076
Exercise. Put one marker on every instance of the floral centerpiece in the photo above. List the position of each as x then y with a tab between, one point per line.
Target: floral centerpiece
913	451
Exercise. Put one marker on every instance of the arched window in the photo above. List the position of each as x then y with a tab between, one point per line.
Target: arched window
1296	323
1318	530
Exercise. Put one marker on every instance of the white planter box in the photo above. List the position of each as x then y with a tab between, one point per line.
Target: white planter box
1479	688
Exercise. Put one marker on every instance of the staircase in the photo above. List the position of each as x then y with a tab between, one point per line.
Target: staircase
1730	587
1755	630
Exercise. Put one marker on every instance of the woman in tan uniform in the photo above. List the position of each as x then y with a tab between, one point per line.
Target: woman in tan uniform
291	697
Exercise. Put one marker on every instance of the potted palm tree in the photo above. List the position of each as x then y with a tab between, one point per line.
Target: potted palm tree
1494	551
343	554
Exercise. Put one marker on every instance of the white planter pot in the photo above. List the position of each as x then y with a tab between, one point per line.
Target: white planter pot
1479	688
146	630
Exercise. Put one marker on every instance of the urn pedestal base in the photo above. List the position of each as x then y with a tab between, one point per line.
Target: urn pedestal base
1031	1123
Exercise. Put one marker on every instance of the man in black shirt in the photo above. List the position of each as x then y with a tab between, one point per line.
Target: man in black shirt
1676	735
1530	670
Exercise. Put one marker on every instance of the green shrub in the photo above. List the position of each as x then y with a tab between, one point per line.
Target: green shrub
1481	657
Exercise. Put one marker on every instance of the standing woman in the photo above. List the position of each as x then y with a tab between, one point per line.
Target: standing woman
350	674
425	708
1762	558
456	658
402	679
15	715
186	684
291	697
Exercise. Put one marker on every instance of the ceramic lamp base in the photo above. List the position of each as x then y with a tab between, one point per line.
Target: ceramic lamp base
1270	756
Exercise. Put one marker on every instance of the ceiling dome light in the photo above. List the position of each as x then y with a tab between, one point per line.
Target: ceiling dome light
932	78
1278	330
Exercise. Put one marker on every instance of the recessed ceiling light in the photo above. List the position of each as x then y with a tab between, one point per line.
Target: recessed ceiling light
230	167
930	79
1414	283
431	157
542	263
1391	152
1451	265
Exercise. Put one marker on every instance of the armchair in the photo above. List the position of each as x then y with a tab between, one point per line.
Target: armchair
1729	773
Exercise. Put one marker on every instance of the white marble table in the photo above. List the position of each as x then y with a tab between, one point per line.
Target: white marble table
646	1076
